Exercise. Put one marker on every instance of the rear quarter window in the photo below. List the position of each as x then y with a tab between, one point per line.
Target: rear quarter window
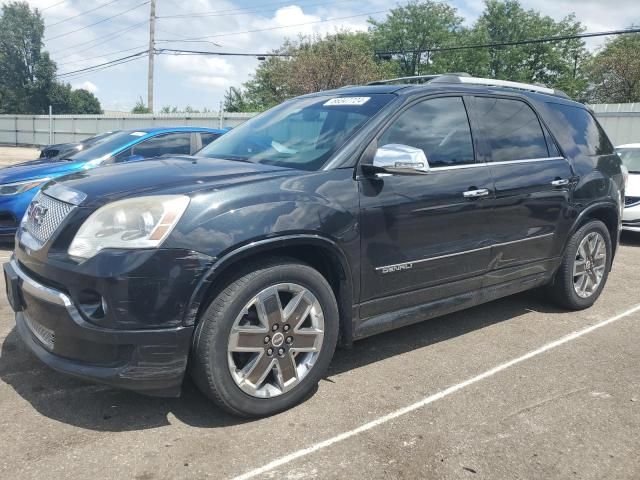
577	131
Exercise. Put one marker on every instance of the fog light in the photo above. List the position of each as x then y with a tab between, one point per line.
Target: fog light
92	304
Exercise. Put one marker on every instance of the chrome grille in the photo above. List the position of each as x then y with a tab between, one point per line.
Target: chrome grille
44	216
47	337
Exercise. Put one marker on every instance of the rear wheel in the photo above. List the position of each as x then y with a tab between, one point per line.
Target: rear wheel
265	341
585	267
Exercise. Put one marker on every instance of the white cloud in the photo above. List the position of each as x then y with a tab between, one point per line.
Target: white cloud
86	85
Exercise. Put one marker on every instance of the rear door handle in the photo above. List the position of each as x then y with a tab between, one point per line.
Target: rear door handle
560	182
482	192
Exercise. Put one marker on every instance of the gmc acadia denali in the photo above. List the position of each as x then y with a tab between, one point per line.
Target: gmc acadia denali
329	218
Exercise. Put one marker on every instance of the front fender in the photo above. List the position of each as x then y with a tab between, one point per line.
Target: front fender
315	209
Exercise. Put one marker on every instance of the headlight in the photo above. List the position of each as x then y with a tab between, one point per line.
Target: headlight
19	187
142	222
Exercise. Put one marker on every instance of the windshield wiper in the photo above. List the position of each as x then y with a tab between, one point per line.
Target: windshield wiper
235	158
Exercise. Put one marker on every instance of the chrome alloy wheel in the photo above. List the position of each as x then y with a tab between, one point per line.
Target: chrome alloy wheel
275	340
589	264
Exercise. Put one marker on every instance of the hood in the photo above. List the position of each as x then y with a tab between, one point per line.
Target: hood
168	175
633	186
41	168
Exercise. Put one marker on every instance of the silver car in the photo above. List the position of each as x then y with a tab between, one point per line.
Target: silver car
630	155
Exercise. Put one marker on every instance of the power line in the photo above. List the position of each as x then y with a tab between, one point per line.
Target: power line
240	11
110	63
172	51
54	5
513	43
98	22
80	61
108	37
84	74
192	39
82	13
180	36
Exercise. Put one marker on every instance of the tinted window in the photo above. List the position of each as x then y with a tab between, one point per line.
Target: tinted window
207	138
439	127
302	133
576	128
511	129
171	143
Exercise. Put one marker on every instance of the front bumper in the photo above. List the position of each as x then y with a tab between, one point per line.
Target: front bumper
631	218
151	361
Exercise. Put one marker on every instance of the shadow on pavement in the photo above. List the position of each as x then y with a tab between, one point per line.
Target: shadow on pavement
102	408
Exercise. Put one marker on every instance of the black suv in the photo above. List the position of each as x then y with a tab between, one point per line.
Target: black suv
329	218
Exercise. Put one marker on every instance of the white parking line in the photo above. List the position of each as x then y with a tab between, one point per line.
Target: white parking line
430	399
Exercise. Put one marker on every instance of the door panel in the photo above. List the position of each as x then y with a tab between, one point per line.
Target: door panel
531	213
532	208
419	231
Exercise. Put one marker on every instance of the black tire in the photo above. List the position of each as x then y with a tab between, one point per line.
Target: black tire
209	363
562	288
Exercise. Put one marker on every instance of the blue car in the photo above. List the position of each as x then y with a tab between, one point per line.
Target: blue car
19	183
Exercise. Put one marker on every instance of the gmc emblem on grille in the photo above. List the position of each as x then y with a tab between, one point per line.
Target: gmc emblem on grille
37	212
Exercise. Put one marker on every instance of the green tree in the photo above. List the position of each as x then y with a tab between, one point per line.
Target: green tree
26	72
558	64
313	63
615	71
140	107
414	30
84	102
64	100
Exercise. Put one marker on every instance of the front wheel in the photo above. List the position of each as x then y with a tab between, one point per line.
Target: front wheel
585	267
266	339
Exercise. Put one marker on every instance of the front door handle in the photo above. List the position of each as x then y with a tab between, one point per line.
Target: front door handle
482	192
560	182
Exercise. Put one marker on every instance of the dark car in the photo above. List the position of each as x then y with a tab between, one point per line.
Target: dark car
329	218
62	149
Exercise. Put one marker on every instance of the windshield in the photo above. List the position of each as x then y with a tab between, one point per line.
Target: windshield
630	158
106	146
302	133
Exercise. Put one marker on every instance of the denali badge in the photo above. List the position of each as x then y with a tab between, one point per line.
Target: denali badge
396	268
37	212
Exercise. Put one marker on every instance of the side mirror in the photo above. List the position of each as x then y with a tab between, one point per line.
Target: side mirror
135	158
400	160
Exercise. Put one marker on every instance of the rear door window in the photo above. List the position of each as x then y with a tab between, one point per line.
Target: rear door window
511	130
169	143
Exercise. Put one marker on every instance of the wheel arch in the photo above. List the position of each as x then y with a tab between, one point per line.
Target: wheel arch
319	252
607	213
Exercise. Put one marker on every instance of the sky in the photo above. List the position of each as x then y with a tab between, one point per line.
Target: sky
233	26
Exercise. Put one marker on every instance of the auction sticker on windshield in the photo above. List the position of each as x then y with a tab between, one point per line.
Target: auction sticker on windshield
339	101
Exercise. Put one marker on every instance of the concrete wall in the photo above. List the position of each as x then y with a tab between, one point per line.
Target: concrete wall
621	121
34	129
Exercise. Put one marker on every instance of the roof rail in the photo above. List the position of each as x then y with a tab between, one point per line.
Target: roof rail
416	78
491	82
469	80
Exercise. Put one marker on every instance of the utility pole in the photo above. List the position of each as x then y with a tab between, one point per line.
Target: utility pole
152	52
